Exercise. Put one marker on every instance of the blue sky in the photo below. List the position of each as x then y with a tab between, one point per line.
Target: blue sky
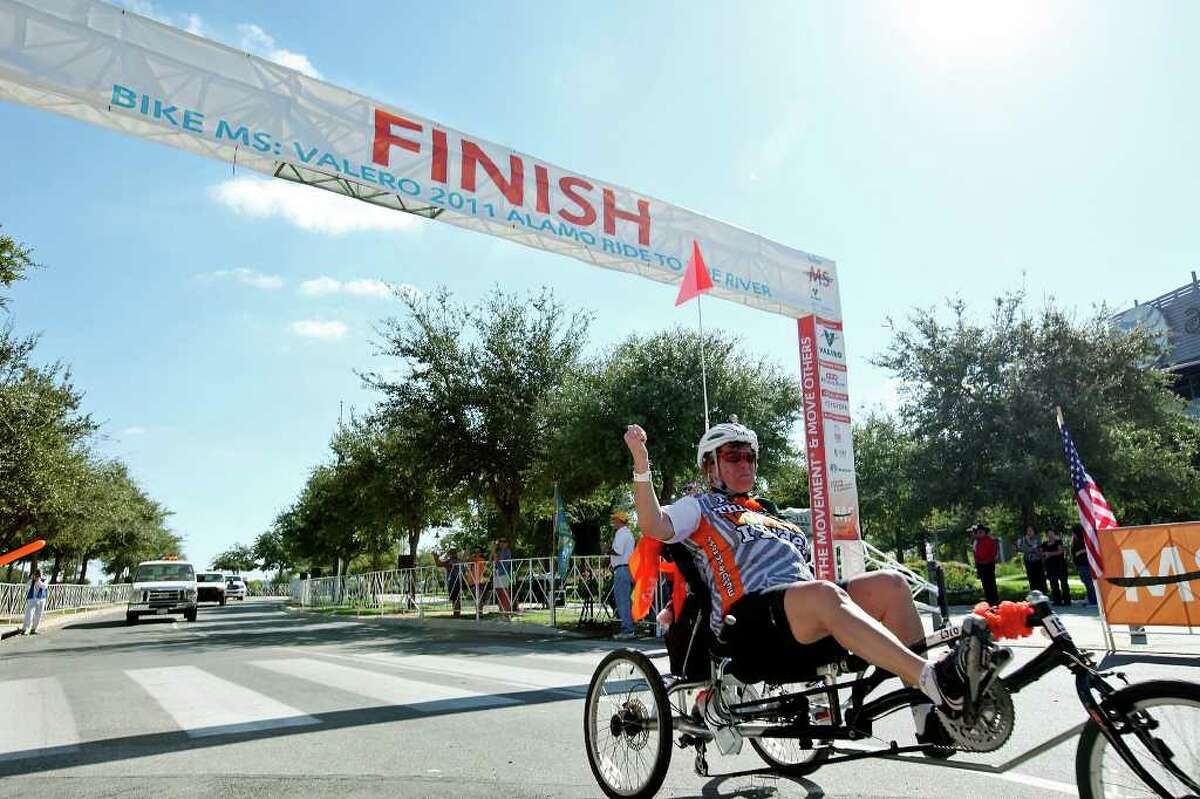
931	149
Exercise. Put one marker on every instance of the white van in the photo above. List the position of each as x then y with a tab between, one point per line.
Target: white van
162	587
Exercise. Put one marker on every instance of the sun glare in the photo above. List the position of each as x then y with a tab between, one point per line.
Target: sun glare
972	31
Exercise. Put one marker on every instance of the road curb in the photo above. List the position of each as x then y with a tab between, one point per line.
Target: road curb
515	628
53	622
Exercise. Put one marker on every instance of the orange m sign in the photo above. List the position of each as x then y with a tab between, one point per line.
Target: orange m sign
1152	574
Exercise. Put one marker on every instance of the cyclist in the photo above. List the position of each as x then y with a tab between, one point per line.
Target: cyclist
757	571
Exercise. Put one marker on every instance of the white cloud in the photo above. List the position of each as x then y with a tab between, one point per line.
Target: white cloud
316	328
192	23
307	207
258	41
134	431
318	287
368	288
364	287
248	277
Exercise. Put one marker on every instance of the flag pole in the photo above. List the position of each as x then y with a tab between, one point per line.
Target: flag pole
553	561
703	367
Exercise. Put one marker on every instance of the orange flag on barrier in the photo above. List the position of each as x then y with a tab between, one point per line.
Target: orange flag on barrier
645	565
696	279
643	568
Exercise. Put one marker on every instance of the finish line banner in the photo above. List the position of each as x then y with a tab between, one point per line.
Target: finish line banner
105	65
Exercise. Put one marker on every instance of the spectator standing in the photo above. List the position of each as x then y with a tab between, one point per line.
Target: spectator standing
454	577
986	550
1031	553
477	576
619	552
502	574
1054	559
1079	555
35	602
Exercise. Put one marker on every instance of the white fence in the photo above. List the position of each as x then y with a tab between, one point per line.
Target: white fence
512	589
520	589
61	596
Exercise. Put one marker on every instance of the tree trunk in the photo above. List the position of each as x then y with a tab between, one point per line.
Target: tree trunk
83	564
1026	517
54	571
668	491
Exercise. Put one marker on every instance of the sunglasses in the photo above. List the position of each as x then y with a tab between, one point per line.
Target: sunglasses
739	457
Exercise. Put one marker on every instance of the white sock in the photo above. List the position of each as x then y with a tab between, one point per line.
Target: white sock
928	684
921	716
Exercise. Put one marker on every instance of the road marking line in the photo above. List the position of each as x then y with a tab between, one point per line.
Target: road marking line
289	628
37	719
383	687
203	704
458	667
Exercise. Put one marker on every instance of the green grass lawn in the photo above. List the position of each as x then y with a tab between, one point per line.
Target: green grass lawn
1014	588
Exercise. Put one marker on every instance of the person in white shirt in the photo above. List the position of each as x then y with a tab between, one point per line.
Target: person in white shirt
618	558
35	603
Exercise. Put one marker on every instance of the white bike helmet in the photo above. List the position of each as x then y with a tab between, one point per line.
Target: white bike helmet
719	435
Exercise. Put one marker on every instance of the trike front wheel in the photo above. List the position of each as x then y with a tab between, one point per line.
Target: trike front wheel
627	725
1161	727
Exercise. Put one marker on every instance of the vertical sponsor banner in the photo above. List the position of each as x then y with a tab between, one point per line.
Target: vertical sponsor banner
833	492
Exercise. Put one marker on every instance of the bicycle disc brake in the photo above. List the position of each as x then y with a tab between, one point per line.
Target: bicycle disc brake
995	718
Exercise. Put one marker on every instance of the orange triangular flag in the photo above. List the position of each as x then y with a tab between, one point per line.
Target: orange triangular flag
696	279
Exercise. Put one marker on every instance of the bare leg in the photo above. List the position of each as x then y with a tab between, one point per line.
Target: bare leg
884	595
817	609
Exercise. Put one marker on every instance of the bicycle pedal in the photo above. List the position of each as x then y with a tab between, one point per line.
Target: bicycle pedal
701	765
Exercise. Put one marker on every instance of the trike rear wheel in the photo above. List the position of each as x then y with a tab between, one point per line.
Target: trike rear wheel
627	725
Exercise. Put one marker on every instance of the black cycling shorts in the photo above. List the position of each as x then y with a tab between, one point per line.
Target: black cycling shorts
762	646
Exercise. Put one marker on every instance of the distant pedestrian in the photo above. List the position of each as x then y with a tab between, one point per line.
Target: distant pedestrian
477	577
454	577
1031	553
35	602
1080	558
1054	560
502	574
618	557
985	550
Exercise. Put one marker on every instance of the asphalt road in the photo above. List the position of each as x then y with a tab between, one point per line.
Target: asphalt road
253	700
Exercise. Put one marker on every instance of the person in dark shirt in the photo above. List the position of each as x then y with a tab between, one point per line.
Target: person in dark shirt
985	550
1031	553
1079	556
1054	559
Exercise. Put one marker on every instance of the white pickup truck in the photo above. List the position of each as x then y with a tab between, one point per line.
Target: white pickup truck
162	587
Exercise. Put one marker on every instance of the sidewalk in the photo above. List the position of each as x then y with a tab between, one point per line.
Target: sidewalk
59	618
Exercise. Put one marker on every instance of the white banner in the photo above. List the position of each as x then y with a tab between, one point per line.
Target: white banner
105	65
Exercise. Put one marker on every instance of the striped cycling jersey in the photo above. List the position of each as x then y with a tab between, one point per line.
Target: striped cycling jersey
738	548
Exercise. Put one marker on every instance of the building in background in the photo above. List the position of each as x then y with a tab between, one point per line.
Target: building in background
1175	319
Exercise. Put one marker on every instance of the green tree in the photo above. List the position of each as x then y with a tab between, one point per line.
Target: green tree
15	262
655	381
238	558
479	381
979	399
887	465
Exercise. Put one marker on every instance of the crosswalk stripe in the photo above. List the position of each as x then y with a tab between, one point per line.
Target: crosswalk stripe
493	670
384	687
203	704
37	719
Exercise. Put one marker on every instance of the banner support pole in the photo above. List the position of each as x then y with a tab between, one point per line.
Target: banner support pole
703	359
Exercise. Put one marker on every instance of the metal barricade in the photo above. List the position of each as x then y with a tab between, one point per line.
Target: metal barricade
60	597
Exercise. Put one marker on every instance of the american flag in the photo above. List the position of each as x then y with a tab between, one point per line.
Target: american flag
1094	512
